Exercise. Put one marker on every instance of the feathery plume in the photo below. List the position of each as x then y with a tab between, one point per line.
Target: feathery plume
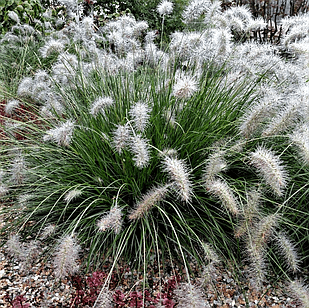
25	87
13	16
15	247
47	231
104	300
165	7
3	190
179	174
111	220
18	169
250	213
62	135
257	264
300	292
188	295
72	194
210	254
288	251
185	86
215	164
66	255
300	137
52	46
195	9
121	136
264	229
257	113
140	115
140	148
220	189
222	41
148	201
100	105
270	168
10	106
285	118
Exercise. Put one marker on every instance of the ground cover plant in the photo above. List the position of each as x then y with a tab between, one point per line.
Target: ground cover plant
135	152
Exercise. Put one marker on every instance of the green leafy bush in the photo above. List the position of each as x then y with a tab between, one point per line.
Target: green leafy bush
27	12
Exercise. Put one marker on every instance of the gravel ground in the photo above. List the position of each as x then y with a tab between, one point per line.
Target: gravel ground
37	285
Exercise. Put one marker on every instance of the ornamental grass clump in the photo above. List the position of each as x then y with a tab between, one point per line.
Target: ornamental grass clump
178	154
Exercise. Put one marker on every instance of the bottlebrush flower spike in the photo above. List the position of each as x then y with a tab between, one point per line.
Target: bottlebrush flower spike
13	16
300	137
140	148
179	174
185	86
300	292
188	295
215	164
270	168
11	105
100	105
223	192
52	46
111	220
72	194
165	7
195	9
140	115
288	251
62	135
105	299
18	169
65	258
148	201
121	137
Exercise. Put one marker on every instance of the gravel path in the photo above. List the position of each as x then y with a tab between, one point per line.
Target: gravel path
38	286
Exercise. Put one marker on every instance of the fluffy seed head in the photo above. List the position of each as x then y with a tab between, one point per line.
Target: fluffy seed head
270	168
189	295
72	194
18	169
300	137
140	148
25	87
300	292
140	116
179	174
13	16
185	86
210	254
11	105
165	7
104	299
100	105
62	135
51	46
111	220
3	190
195	9
215	164
288	251
47	231
65	257
148	201
121	137
15	248
265	229
223	192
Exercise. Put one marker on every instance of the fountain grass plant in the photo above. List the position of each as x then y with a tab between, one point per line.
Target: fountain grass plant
147	155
